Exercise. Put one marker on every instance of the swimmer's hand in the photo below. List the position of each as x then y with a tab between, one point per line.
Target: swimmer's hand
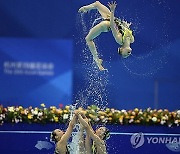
76	112
112	6
83	9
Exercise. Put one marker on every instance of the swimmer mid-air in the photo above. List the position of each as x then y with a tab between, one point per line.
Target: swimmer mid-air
120	30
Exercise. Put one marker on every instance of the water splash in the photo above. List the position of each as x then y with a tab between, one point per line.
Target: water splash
94	91
147	65
151	60
73	146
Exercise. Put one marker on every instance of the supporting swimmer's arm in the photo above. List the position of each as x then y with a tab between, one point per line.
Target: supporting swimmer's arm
88	144
117	35
69	130
82	121
89	130
81	140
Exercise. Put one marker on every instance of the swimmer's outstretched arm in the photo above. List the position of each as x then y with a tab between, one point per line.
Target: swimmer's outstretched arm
89	130
69	130
84	145
81	140
117	35
88	144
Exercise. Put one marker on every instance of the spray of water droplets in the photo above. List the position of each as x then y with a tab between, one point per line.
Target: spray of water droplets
146	65
152	59
94	92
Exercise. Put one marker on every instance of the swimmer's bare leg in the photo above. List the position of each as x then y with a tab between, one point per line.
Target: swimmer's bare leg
103	10
94	32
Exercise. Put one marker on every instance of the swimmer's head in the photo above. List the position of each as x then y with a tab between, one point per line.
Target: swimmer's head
103	133
124	51
56	135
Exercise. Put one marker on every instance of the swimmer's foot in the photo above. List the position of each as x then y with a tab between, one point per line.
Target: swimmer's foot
99	64
83	9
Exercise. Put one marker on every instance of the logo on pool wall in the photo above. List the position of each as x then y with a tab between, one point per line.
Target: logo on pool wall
43	145
137	140
175	147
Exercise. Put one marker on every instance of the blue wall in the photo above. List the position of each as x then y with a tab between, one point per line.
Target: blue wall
149	79
32	74
36	139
